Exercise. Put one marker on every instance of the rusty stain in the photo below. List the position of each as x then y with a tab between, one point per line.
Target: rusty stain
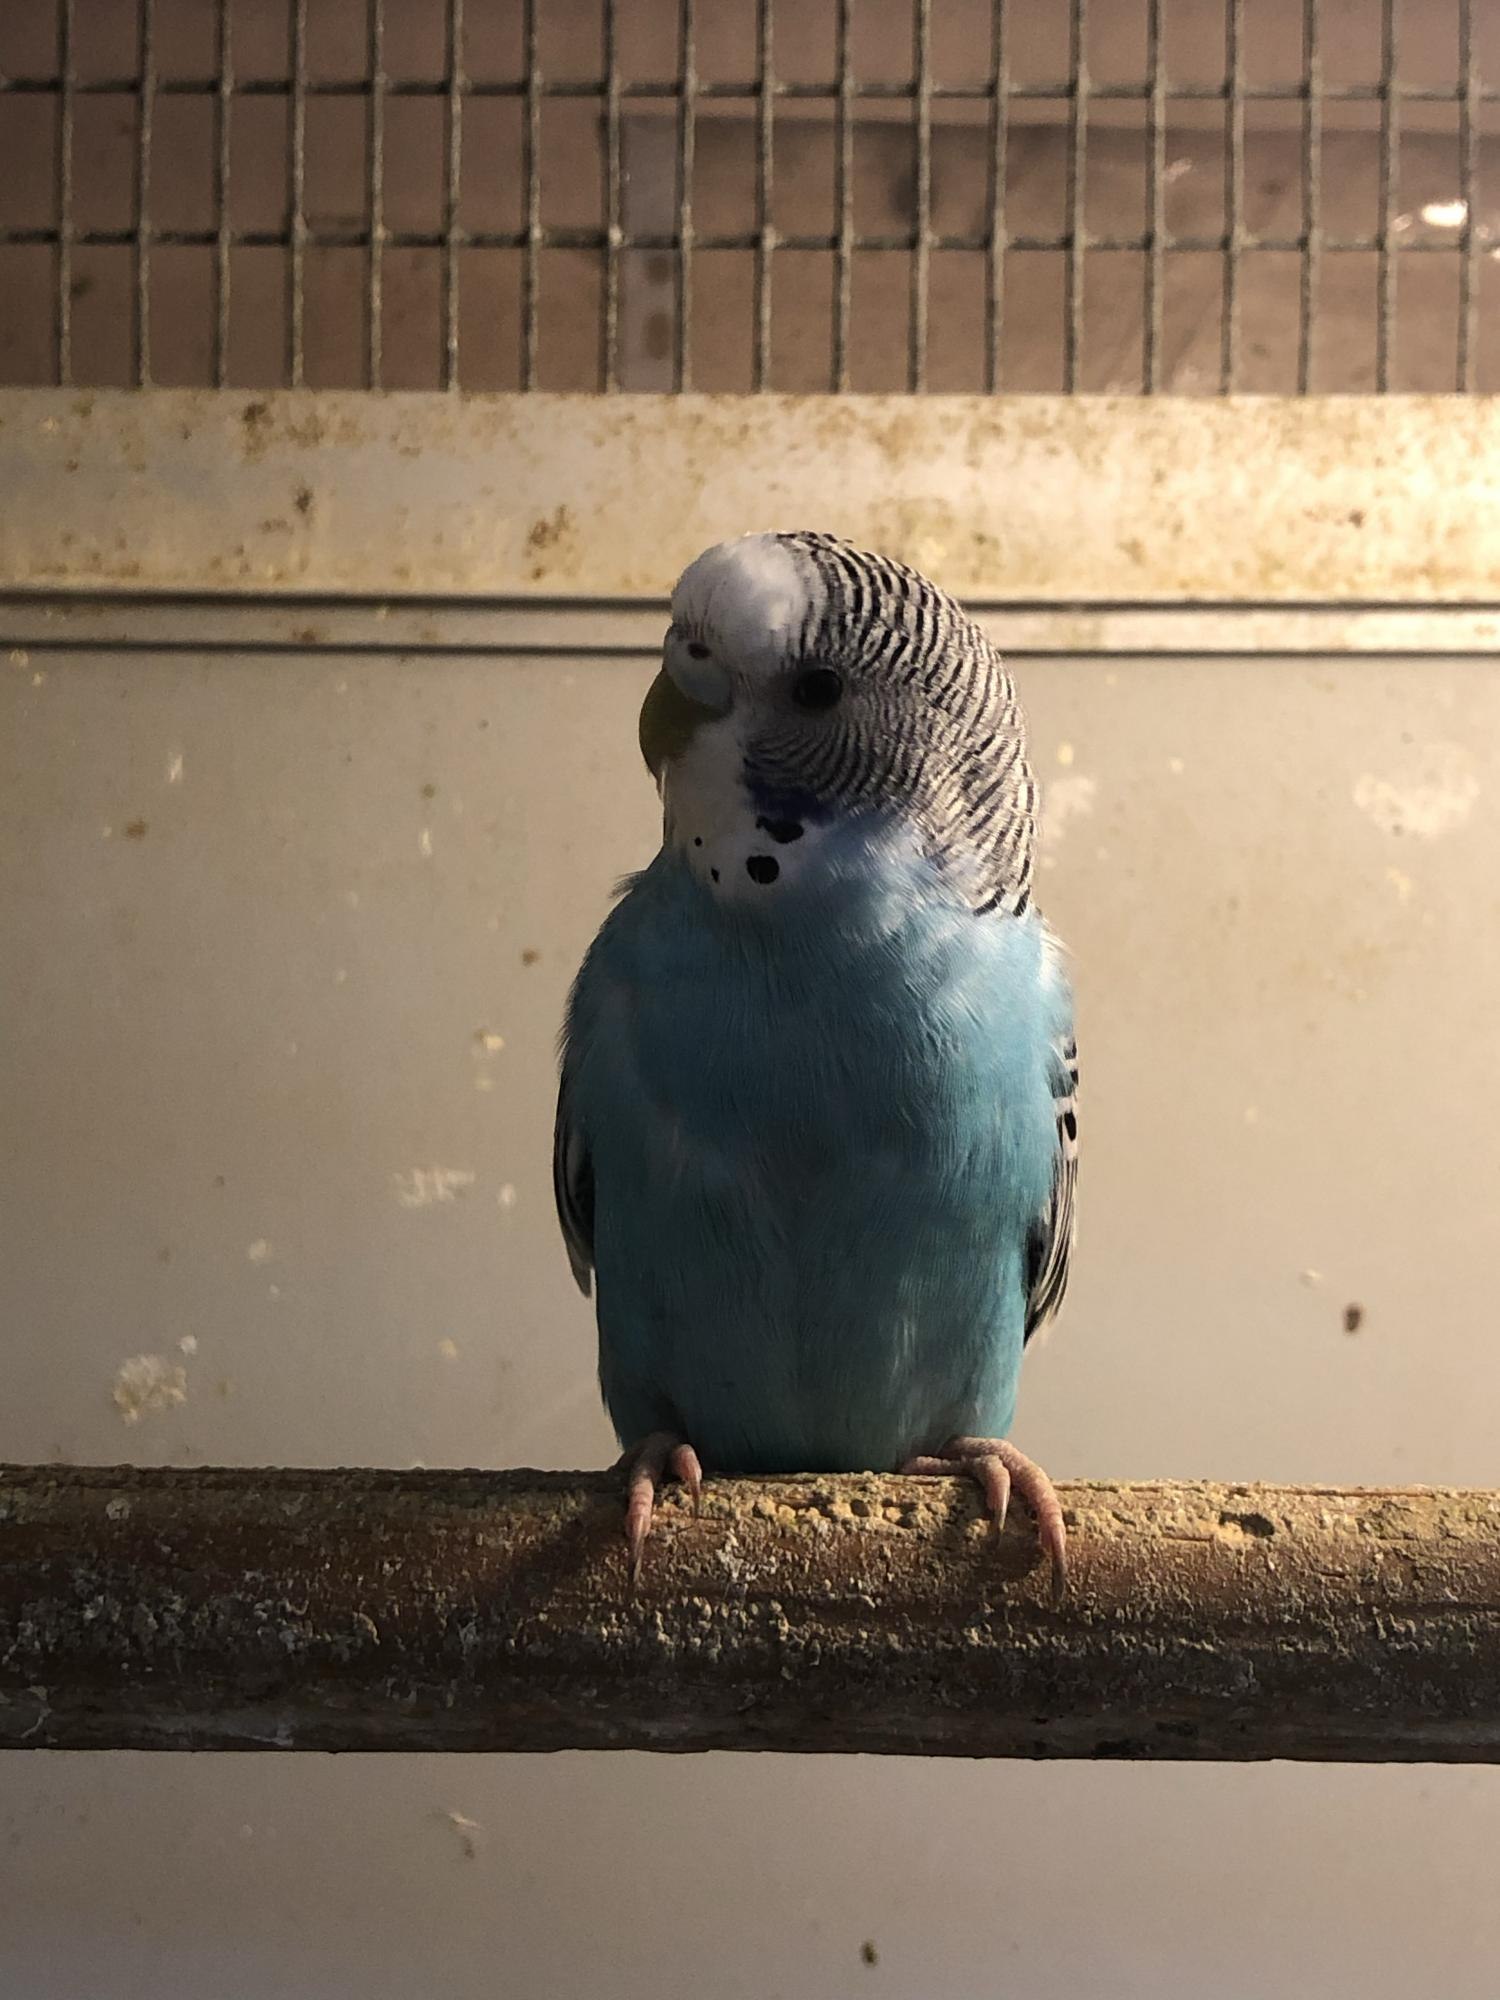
547	533
530	956
429	790
1354	1318
303	500
136	829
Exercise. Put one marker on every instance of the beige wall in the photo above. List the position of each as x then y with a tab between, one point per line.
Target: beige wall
243	1007
243	1004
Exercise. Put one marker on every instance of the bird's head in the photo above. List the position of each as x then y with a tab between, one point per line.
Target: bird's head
806	684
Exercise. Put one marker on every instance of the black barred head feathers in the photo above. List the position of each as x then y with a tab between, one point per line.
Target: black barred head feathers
804	680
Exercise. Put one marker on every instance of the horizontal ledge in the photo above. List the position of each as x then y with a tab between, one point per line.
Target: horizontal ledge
344	1610
1010	499
307	626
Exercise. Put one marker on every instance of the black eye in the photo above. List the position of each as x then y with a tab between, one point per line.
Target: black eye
697	650
819	687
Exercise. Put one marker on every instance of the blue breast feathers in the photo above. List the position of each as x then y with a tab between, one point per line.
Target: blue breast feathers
818	1134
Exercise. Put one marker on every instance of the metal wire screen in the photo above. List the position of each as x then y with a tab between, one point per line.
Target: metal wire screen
1205	196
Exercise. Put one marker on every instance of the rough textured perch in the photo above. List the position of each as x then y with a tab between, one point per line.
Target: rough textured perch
490	1611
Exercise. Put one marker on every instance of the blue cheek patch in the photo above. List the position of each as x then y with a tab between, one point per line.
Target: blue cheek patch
779	808
782	831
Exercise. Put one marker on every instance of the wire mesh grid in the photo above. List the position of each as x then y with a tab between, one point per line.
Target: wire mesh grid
837	195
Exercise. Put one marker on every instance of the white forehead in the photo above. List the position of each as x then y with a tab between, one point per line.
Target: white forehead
749	597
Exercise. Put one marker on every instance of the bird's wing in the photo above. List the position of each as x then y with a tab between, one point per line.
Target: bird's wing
573	1185
1050	1248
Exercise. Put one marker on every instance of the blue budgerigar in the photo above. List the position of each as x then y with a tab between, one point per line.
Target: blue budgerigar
816	1135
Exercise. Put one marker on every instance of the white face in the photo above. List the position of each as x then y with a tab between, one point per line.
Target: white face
736	613
740	854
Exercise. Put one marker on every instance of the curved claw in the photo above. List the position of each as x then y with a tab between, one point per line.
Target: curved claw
661	1455
998	1469
684	1465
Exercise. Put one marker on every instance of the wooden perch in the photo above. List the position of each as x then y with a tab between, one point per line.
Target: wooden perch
491	1611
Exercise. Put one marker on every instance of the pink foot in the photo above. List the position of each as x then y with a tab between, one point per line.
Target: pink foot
645	1465
998	1469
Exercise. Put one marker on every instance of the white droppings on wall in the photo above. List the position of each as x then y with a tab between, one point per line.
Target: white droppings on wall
1435	794
146	1385
424	843
427	1187
188	1344
506	1196
448	1349
1445	214
174	768
485	1045
1065	753
260	1251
